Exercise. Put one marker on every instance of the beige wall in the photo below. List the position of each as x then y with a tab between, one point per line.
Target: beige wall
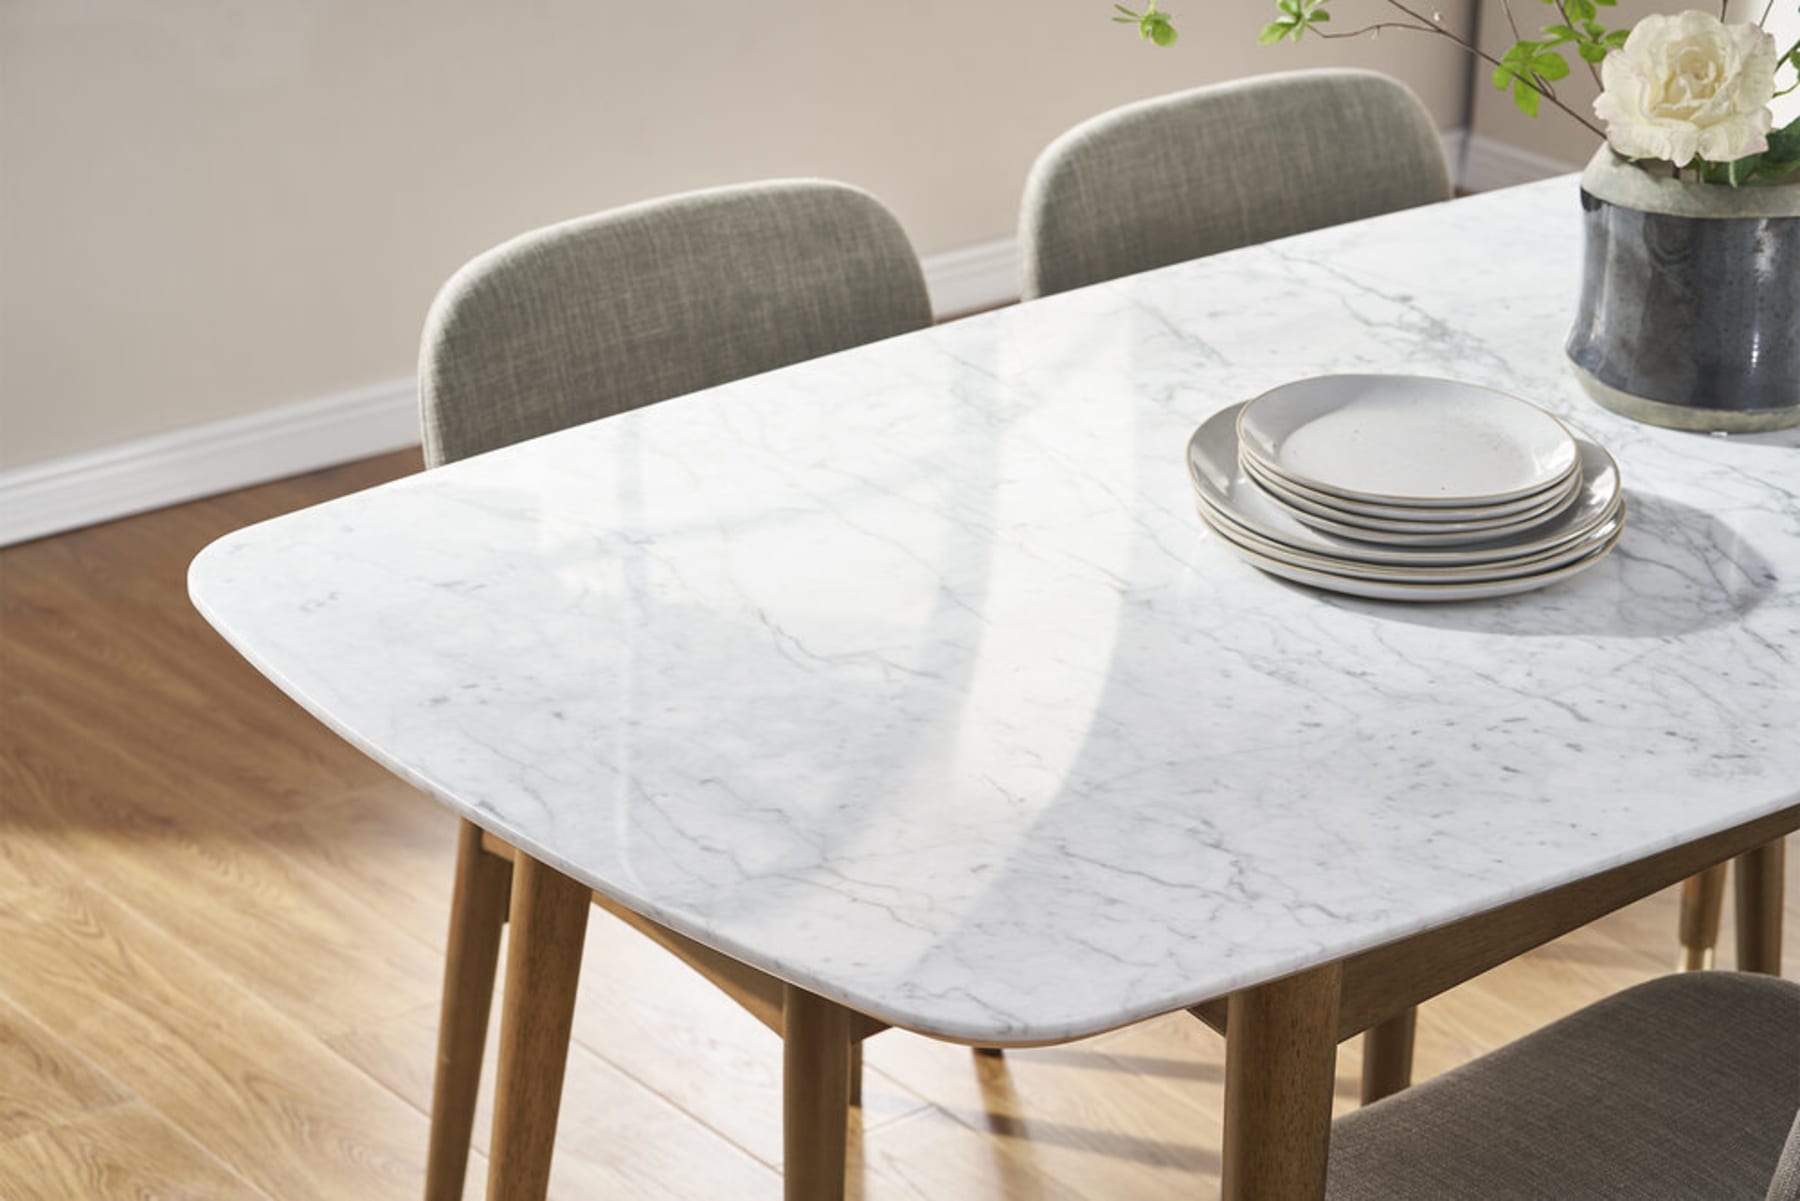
210	207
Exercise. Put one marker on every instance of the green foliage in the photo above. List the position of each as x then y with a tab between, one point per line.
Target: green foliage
1153	25
1526	68
1592	40
1780	160
1297	16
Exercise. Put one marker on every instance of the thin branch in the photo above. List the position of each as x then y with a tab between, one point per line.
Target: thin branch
1723	5
1783	57
1592	69
1763	21
1356	33
1490	59
1507	9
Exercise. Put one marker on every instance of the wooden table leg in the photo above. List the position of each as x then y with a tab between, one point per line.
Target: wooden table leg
815	1095
1702	899
543	964
1388	1056
1280	1061
477	915
1759	892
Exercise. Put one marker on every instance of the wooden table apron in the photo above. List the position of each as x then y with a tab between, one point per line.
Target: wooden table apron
1281	1036
903	686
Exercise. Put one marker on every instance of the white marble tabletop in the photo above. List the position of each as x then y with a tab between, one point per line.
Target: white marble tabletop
910	676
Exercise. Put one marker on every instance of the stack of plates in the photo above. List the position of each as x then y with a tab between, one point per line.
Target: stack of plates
1405	488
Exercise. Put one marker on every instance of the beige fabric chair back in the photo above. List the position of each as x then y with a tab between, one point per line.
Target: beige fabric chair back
1220	167
606	313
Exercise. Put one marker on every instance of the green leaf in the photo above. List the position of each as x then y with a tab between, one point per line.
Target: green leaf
1126	11
1590	53
1525	97
1550	66
1520	55
1580	10
1787	137
1783	155
1273	32
1163	33
1561	33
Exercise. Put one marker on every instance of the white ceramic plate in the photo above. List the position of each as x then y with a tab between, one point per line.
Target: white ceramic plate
1539	500
1220	479
1406	440
1229	530
1413	533
1414	592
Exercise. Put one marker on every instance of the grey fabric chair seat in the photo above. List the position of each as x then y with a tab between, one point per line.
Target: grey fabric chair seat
1215	168
1681	1089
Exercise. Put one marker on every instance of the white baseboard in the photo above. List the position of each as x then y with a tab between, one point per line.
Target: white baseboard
1482	164
1453	142
974	278
201	460
165	469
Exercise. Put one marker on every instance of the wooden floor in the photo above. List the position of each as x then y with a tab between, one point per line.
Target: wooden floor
221	929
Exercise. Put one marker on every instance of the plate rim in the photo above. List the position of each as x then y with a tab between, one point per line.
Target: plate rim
1433	533
1414	513
1390	498
1423	593
1222	526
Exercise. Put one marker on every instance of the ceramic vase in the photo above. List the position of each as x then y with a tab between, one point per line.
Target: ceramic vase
1689	315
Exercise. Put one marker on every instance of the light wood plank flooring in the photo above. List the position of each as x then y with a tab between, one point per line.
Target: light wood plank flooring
221	929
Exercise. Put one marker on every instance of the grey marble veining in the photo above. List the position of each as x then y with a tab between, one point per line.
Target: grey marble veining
911	676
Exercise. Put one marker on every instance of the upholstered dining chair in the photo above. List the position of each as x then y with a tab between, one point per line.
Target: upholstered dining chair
587	319
1215	168
1687	1086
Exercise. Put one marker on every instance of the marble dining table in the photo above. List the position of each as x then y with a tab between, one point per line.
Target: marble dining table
909	677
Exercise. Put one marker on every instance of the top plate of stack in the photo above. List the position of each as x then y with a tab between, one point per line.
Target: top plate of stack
1401	448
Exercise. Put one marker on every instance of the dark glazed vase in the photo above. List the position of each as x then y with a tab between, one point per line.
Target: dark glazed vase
1690	300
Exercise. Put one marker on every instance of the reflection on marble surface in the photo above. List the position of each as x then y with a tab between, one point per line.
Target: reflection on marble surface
909	674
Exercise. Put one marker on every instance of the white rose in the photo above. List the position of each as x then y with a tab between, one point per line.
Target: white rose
1686	85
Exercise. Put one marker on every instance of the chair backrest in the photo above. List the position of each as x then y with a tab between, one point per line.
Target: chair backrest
609	312
1220	167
